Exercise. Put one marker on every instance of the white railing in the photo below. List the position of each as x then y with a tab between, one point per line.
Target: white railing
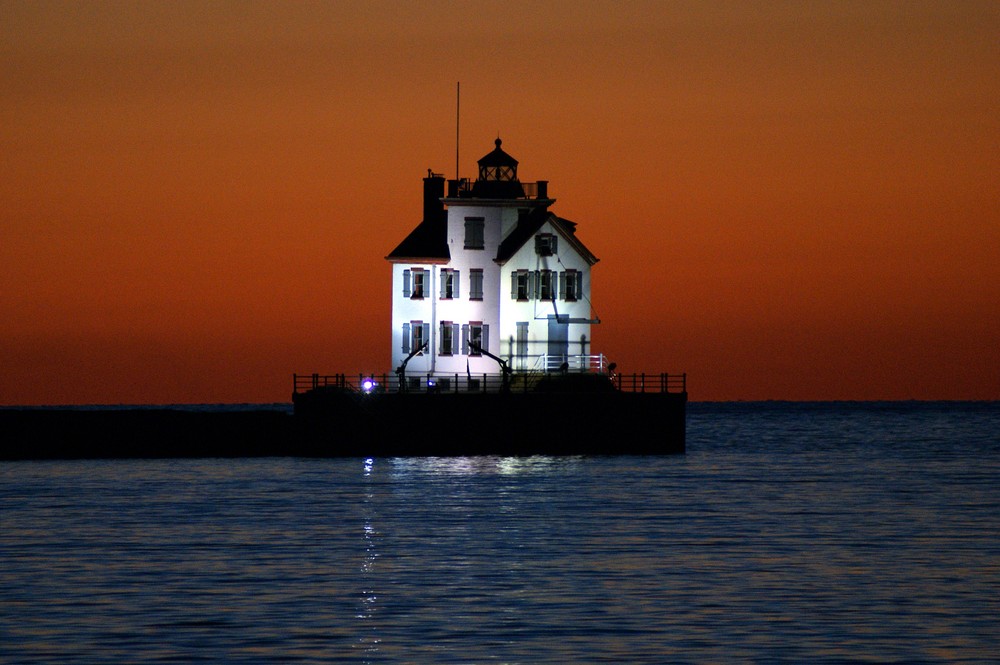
573	363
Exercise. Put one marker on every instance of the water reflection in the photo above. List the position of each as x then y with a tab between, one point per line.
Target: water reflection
487	465
368	638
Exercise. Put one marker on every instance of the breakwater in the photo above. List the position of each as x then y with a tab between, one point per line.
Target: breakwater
96	433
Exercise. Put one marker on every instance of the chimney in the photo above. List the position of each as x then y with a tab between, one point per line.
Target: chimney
433	193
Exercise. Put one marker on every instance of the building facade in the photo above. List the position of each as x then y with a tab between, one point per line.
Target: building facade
491	269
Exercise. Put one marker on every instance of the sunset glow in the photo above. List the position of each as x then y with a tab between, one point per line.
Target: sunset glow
789	200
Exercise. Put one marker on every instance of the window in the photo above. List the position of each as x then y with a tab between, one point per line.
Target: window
474	232
570	283
417	333
449	338
476	284
545	244
546	285
449	283
521	285
475	336
414	283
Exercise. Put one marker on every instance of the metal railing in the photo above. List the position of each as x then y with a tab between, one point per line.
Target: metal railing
373	383
532	190
651	383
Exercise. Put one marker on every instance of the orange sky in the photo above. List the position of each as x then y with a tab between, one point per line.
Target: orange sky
789	200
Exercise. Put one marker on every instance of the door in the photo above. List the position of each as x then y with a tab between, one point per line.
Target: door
558	343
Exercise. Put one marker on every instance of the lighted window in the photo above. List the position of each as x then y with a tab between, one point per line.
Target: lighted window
449	284
476	284
474	238
414	283
419	331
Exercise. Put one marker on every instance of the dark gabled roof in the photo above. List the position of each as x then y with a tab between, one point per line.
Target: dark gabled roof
527	227
427	242
497	157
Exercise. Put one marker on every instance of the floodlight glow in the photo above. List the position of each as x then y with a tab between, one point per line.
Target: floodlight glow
368	385
431	383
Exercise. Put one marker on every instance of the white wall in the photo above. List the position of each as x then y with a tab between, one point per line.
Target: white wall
497	309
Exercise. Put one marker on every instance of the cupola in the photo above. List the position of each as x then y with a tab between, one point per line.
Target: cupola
498	176
498	165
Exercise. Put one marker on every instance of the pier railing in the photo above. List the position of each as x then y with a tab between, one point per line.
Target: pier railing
474	383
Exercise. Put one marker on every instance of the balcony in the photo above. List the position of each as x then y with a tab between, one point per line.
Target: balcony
498	189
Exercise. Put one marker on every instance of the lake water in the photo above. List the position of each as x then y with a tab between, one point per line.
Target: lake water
787	533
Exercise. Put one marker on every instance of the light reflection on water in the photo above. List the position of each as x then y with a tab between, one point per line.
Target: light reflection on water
786	533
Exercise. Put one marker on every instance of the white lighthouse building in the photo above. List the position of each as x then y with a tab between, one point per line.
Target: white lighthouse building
491	269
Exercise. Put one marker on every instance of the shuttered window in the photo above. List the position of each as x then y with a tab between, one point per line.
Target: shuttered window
406	338
520	285
419	334
448	338
475	333
545	244
406	283
474	237
569	285
449	284
546	285
419	283
476	284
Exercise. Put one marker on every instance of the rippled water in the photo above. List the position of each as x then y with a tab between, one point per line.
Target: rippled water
789	532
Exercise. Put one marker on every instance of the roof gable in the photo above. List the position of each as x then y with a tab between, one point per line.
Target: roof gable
529	224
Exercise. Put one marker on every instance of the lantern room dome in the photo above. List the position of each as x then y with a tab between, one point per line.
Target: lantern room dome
498	165
498	176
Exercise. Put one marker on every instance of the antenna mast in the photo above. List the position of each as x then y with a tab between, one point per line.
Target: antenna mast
458	108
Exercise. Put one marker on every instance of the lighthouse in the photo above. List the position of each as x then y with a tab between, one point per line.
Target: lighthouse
491	277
